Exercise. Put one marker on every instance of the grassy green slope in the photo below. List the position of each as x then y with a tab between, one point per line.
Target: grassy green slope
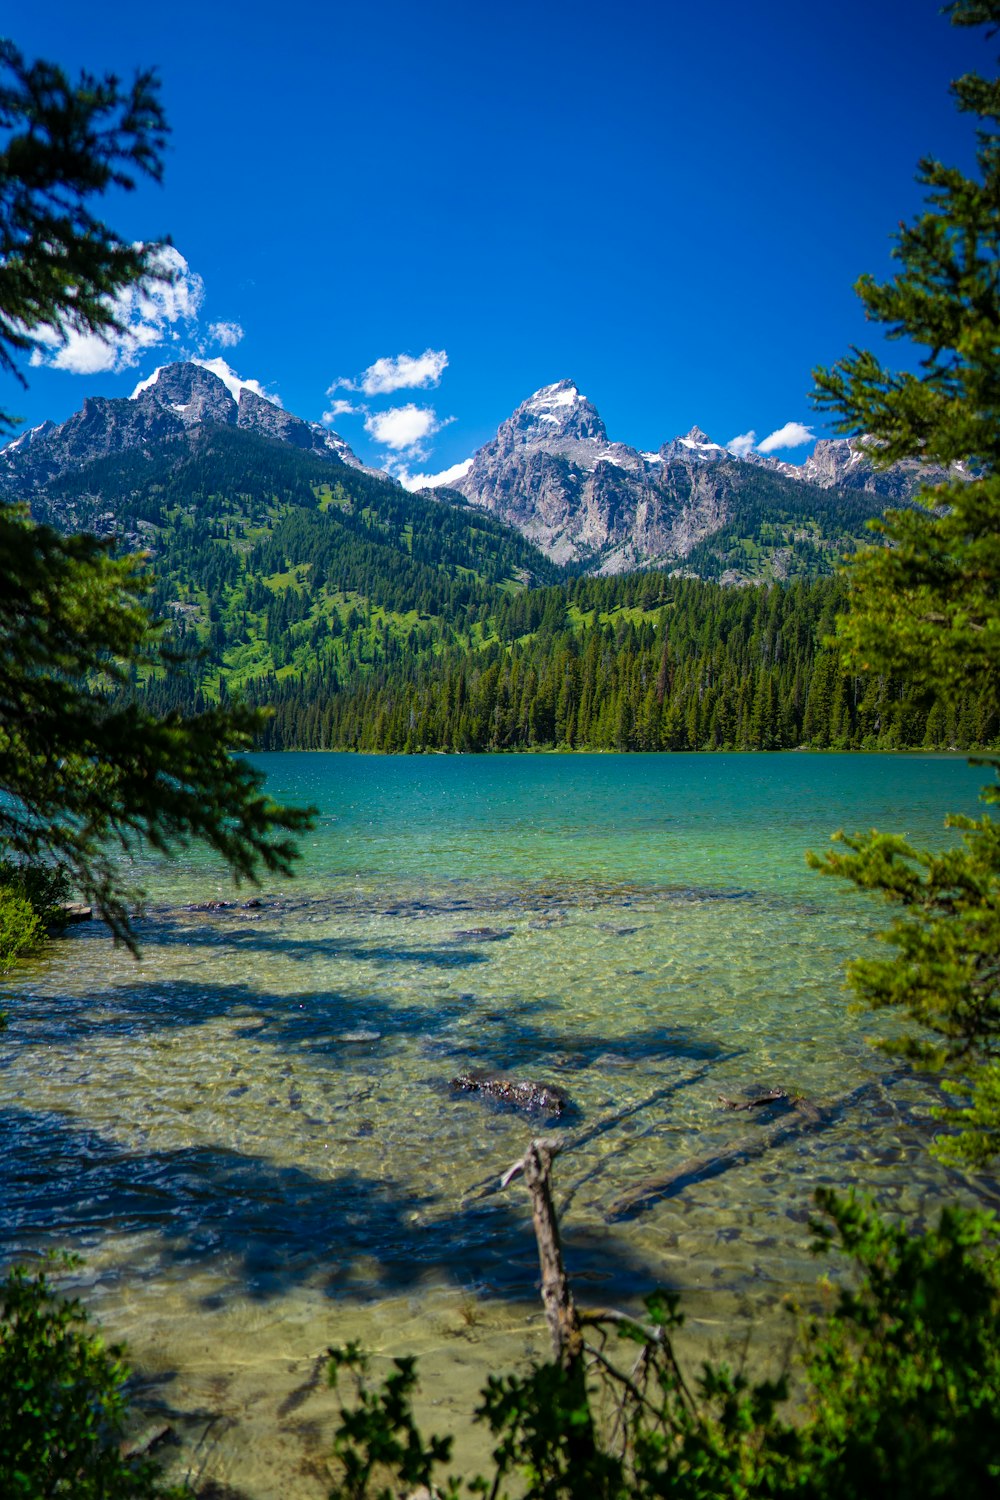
270	563
373	619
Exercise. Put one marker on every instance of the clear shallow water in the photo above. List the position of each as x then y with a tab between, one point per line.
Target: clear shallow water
251	1136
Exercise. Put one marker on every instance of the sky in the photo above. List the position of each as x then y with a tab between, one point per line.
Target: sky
404	218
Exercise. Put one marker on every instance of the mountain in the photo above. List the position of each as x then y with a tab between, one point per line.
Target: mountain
175	403
553	472
370	618
842	463
273	551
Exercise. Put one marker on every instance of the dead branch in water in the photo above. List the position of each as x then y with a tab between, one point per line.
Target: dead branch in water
656	1359
557	1299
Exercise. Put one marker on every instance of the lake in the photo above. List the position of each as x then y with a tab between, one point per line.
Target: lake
251	1134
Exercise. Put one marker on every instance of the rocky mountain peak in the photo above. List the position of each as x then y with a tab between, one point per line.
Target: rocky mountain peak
695	447
191	392
556	412
699	439
552	472
170	406
263	416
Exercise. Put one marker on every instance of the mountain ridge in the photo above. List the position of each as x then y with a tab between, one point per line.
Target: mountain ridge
178	399
369	618
553	472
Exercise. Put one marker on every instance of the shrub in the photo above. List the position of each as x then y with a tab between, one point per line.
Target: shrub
62	1403
21	928
897	1393
47	887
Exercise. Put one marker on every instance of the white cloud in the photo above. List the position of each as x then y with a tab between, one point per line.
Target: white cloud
400	372
151	314
742	445
226	334
792	435
233	382
430	481
403	427
340	409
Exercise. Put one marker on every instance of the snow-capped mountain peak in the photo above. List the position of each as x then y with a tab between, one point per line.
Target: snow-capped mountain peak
554	415
176	400
553	472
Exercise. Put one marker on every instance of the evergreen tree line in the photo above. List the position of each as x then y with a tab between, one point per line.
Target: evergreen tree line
685	665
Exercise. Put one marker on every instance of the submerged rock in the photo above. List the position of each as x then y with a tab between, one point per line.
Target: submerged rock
761	1100
521	1093
481	934
254	904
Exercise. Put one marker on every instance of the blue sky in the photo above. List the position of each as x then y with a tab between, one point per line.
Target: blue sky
668	203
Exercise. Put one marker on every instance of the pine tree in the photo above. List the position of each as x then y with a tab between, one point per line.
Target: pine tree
79	776
928	608
928	602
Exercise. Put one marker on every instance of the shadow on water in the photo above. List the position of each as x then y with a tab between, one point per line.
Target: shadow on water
320	1021
261	1228
331	1025
256	937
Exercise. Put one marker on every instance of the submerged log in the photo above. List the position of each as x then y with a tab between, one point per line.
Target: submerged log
144	1444
601	1126
522	1093
803	1118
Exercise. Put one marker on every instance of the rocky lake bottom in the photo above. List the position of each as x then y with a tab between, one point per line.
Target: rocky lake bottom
252	1135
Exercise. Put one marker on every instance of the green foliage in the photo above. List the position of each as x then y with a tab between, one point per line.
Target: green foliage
30	900
642	1428
20	927
63	1402
366	619
928	603
377	1442
928	609
639	662
943	300
945	971
895	1393
84	778
46	887
60	265
903	1377
925	606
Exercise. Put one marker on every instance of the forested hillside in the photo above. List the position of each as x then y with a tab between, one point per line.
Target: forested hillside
372	619
639	662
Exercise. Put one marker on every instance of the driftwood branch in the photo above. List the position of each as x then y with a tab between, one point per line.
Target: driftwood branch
557	1299
566	1322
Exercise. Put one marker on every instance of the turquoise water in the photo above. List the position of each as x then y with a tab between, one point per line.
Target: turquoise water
251	1135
